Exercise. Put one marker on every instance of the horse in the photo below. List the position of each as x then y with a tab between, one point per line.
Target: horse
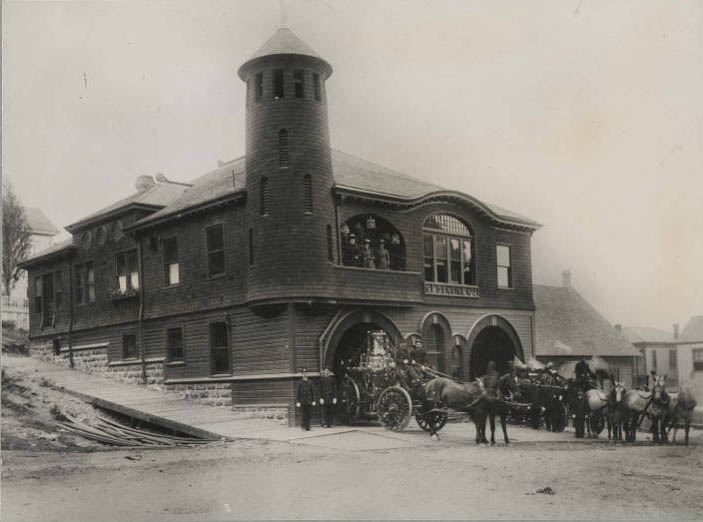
681	409
636	404
659	409
468	397
597	400
615	411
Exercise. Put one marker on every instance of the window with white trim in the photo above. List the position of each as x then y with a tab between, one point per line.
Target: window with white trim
504	266
172	275
448	250
697	354
127	271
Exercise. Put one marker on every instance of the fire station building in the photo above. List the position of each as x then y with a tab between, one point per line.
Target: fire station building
222	288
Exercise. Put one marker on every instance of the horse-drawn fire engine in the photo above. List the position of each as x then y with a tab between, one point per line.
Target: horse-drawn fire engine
389	389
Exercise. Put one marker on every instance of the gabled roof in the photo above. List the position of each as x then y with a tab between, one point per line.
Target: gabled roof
39	223
567	325
350	173
357	174
218	184
646	334
154	197
693	331
54	250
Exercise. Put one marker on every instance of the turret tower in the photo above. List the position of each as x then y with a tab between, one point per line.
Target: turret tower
288	171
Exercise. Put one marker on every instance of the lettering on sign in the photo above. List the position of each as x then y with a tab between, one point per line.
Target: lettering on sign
452	290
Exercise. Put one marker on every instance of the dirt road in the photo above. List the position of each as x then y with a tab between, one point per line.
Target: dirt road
258	480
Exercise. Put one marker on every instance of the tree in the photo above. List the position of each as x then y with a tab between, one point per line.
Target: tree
16	237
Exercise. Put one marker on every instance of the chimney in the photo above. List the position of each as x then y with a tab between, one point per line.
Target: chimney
676	331
144	182
566	279
618	327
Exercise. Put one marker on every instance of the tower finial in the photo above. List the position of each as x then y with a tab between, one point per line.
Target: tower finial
283	13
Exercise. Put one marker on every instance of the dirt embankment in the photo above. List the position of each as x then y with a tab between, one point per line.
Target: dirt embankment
31	409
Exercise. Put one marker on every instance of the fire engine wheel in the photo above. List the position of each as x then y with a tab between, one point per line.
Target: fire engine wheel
559	418
351	400
433	421
394	408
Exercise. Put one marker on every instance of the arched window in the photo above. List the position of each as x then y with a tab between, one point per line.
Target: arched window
264	195
369	241
283	148
307	192
448	250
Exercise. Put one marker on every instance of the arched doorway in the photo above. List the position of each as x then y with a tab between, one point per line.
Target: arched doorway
347	336
353	343
492	339
436	333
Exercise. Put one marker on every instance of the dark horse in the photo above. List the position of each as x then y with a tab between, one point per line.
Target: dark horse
660	410
469	397
615	411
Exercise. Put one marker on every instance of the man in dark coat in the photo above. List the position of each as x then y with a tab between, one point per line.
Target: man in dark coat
304	399
328	397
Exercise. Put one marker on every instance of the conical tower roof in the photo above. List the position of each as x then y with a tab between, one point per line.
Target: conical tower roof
284	41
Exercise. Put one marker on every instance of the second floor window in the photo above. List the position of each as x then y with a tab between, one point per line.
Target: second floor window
127	272
697	354
505	269
672	359
85	283
215	250
172	274
448	251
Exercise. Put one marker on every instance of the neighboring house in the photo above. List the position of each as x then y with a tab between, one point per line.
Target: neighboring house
690	355
568	328
659	352
15	306
233	282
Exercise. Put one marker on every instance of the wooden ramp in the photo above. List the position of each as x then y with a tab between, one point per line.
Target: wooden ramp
156	407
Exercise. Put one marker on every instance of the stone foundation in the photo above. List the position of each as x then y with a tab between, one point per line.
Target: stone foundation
132	374
212	394
279	413
94	360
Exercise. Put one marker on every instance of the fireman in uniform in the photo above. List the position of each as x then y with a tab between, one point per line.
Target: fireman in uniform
304	399
328	397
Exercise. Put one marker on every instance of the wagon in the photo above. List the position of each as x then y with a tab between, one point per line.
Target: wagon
389	390
545	404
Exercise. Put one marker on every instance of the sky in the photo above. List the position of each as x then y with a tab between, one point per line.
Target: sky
584	115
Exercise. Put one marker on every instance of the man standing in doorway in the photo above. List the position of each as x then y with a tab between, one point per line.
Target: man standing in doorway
328	397
304	399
